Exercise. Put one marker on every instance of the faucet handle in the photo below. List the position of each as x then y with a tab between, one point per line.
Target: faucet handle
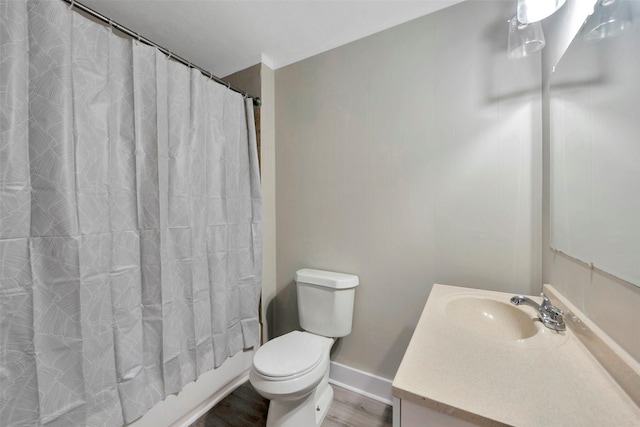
551	312
545	301
547	306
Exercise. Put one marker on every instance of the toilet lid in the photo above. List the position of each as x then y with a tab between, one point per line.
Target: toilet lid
292	354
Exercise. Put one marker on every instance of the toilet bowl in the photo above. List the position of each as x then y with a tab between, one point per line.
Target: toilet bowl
289	371
292	371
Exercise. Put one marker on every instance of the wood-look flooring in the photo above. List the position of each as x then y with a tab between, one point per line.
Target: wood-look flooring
246	408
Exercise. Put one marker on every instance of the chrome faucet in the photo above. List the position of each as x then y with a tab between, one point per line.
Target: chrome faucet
550	315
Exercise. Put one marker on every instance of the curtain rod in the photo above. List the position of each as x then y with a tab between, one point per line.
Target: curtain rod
74	4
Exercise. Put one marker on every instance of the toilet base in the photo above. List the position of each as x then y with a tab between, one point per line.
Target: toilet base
323	402
309	411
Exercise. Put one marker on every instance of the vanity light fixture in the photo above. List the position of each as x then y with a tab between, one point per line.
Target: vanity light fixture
524	39
529	11
610	19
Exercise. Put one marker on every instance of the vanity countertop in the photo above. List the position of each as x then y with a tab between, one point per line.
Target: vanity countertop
547	379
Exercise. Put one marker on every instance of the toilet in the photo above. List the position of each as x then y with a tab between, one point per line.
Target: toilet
292	370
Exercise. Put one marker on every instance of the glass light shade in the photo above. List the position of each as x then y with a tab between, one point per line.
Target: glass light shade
524	39
536	10
610	18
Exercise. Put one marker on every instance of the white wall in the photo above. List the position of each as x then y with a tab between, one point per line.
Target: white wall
409	158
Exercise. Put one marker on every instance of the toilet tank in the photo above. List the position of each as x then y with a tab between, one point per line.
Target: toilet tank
325	301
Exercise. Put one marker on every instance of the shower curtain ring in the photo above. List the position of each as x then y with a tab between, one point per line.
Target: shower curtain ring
73	2
228	85
210	76
169	56
110	25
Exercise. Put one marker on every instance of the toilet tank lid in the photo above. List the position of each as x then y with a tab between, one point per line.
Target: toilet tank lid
329	279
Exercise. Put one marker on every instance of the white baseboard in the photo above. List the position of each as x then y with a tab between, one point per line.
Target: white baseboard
364	383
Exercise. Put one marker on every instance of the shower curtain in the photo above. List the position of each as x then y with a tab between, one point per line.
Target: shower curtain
130	222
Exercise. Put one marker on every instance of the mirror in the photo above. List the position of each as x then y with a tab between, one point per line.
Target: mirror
595	143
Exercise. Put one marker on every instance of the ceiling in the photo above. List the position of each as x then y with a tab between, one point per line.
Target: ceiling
225	36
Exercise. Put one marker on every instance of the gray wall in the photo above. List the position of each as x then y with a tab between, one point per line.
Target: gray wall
248	80
409	158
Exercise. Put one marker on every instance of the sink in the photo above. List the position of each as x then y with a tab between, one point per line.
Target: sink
490	317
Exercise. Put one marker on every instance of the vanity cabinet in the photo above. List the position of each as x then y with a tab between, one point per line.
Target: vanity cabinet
409	414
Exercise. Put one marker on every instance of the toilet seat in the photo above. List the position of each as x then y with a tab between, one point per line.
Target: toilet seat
289	356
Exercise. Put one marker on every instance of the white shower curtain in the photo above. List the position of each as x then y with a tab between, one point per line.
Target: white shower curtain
130	222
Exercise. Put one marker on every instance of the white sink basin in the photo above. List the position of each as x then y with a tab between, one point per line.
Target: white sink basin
490	317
